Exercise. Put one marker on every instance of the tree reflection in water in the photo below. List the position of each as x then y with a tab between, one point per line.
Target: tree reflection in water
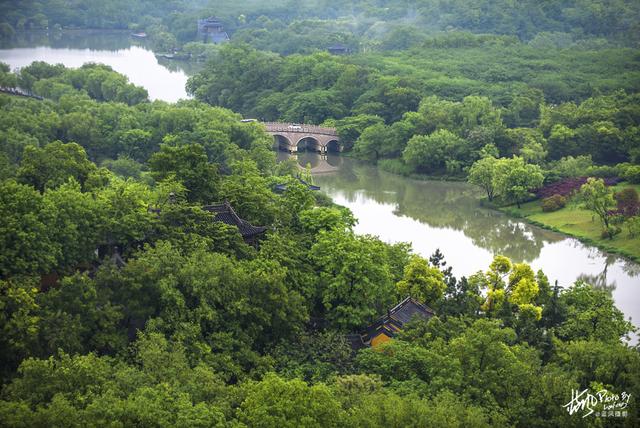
440	204
78	39
600	280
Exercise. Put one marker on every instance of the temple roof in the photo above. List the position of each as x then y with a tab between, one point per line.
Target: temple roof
395	319
405	310
338	48
212	20
226	214
218	37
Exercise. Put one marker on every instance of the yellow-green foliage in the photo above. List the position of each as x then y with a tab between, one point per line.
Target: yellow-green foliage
421	281
509	282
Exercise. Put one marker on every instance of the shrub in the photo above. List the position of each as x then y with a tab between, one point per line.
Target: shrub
568	167
631	173
604	171
610	232
633	226
616	219
568	186
628	202
563	187
553	203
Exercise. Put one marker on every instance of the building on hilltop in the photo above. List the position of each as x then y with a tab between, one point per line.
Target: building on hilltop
225	213
388	326
212	30
338	49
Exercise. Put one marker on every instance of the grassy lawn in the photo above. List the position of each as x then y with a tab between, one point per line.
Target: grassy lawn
581	223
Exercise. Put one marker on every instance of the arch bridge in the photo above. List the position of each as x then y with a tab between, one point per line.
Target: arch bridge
293	137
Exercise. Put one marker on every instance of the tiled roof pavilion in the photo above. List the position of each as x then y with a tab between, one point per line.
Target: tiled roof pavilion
388	326
225	213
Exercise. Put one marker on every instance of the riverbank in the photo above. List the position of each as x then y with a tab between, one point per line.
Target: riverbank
395	166
580	224
571	220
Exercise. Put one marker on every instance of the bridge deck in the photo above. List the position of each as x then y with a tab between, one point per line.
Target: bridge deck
299	129
20	93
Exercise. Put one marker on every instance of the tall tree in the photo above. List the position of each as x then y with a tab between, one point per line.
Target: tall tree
515	179
597	197
355	283
423	282
54	164
188	164
482	173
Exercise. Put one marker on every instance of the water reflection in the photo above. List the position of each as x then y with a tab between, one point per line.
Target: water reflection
164	81
81	39
188	67
448	216
441	205
600	280
319	164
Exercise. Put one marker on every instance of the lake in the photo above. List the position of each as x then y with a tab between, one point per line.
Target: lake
428	214
164	81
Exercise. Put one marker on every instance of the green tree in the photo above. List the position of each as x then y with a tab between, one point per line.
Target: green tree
422	282
591	315
82	309
19	321
249	193
355	283
77	224
26	242
126	219
515	179
275	402
482	173
54	164
188	164
351	128
318	219
428	153
375	142
597	197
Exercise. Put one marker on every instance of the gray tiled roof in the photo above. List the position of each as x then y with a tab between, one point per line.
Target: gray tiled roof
226	214
395	319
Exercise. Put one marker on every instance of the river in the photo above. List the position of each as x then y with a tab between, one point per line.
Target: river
448	216
428	214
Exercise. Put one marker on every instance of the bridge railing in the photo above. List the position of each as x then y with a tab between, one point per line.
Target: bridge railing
299	128
19	92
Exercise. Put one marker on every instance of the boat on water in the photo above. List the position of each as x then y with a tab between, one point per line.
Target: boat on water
141	35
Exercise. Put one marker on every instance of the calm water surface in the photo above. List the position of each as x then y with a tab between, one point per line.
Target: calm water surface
448	216
164	81
428	214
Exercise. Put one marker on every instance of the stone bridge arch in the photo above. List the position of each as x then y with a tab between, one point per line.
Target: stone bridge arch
334	146
309	143
293	137
281	142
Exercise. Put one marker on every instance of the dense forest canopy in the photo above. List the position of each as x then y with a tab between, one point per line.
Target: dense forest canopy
295	26
170	318
123	301
487	92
